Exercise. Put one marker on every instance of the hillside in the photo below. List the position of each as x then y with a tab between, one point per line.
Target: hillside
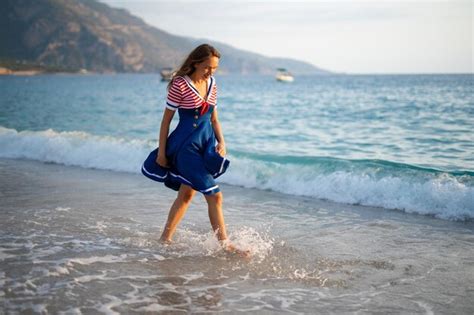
69	35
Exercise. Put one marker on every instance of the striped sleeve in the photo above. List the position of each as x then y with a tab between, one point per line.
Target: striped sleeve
175	95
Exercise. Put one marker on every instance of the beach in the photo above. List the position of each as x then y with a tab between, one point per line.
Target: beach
354	194
340	135
76	240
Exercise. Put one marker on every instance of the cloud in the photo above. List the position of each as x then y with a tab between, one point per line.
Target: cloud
341	35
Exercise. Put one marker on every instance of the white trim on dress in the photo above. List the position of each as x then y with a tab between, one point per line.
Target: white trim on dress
151	174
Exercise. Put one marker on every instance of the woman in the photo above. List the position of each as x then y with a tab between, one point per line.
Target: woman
194	153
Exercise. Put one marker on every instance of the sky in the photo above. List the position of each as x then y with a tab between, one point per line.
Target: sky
348	36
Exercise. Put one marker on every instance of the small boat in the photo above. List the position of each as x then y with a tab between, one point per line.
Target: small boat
166	74
284	75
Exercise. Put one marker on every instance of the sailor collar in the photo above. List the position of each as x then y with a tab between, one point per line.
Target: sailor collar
210	82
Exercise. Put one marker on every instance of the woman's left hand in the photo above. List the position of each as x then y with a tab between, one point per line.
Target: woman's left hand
220	148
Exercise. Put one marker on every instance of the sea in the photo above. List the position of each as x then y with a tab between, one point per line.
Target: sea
354	194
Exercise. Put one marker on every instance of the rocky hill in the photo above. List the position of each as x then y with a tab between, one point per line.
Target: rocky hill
69	35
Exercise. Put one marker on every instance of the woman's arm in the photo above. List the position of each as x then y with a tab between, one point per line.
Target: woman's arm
218	131
164	130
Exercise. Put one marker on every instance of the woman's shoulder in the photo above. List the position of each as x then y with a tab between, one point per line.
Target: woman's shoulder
179	79
178	82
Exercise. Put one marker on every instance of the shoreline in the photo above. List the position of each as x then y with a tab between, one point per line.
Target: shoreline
232	189
73	233
41	167
35	72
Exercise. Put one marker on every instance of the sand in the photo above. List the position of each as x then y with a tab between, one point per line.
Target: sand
86	241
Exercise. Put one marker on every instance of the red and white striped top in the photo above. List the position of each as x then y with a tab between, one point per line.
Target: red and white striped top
183	94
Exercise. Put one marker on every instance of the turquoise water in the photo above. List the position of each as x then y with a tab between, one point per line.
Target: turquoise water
394	141
80	225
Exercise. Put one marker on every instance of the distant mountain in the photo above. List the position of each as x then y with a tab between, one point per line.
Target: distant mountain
70	35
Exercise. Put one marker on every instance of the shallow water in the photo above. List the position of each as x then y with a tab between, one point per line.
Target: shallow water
394	141
337	169
85	241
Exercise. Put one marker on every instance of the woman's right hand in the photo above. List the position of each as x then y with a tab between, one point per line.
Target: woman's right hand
162	161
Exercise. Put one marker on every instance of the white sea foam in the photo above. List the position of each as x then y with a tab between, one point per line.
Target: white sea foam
71	311
441	195
107	259
189	242
2	283
58	271
154	307
259	244
4	255
61	209
74	148
107	308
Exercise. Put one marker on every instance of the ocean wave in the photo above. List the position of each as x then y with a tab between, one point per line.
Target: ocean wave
441	195
413	189
75	148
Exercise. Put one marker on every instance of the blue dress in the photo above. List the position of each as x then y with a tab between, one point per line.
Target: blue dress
191	153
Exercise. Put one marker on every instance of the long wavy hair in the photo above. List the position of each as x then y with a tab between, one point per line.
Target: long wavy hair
198	55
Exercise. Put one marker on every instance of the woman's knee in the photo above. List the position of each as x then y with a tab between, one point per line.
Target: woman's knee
215	198
185	194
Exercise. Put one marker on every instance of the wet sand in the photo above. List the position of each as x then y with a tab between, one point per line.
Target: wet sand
86	241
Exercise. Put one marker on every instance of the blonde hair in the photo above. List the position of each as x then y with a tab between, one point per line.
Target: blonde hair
198	55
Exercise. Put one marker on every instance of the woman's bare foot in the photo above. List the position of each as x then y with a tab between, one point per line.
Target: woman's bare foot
165	241
231	249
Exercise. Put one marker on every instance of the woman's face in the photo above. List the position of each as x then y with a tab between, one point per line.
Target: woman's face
207	68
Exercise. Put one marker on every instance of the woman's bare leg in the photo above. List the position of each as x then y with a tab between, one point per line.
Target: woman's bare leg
177	211
216	216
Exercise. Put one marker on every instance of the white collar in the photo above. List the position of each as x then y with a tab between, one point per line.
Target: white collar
210	82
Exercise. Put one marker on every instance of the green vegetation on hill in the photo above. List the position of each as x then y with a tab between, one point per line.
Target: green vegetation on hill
25	65
69	35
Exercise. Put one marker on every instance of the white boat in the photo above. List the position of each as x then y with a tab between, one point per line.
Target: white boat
166	74
284	75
